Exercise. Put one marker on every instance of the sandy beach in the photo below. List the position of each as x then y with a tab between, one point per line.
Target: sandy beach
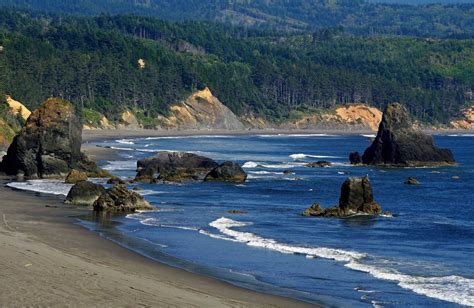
47	260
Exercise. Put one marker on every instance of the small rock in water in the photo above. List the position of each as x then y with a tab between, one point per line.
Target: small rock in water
119	199
288	172
355	158
237	212
412	181
319	164
115	180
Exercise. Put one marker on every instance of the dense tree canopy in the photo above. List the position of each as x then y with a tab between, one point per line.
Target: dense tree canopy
360	17
93	62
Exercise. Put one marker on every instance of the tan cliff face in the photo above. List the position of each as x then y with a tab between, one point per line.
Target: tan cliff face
467	120
17	107
202	110
352	116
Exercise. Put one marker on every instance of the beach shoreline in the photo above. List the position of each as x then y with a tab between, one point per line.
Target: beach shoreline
48	259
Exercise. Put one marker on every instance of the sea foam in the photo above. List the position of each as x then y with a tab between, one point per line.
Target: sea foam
53	187
303	156
452	288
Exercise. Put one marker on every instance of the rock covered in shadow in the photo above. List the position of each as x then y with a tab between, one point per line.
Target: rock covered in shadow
174	167
116	180
356	198
399	144
412	181
355	158
84	193
319	164
227	172
49	145
119	199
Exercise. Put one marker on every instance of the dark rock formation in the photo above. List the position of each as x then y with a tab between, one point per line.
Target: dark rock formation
288	172
412	181
84	193
355	158
356	198
75	176
227	172
174	167
398	144
49	145
319	164
119	199
115	180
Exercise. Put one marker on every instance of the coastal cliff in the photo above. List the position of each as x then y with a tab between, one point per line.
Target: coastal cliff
12	116
466	121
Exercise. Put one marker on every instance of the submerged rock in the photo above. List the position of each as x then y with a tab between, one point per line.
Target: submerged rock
115	180
84	193
119	199
49	145
412	181
174	167
399	144
319	164
227	172
356	198
355	158
75	176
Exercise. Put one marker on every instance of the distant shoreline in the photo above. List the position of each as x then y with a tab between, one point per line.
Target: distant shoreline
109	134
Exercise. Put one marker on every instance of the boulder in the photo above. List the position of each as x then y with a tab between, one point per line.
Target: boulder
174	167
84	193
355	158
119	199
115	180
399	144
412	181
75	176
227	172
356	198
49	145
319	164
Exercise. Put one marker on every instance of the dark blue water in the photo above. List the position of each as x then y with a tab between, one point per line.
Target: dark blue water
423	255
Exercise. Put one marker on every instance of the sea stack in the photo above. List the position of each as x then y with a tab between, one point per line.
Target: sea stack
49	145
399	144
356	198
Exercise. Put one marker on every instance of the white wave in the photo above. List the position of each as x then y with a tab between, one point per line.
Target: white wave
188	137
283	165
120	165
148	192
54	187
296	135
224	225
250	164
302	156
125	141
369	136
452	288
461	135
266	172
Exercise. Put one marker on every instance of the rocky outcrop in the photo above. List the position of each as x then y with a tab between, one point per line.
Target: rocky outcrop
174	167
355	158
115	180
356	198
119	199
128	120
227	172
84	193
319	164
75	176
466	121
399	144
202	110
412	181
49	144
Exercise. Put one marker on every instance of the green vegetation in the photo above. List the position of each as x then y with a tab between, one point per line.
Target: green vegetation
93	62
359	17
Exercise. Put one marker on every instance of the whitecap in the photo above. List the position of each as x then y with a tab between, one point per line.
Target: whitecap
125	141
54	187
295	135
303	156
451	288
369	136
120	165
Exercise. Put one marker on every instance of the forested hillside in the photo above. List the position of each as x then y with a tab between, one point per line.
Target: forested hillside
359	17
93	61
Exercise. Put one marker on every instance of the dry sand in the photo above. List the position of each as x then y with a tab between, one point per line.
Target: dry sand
47	260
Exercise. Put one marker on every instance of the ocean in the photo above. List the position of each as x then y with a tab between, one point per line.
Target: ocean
421	256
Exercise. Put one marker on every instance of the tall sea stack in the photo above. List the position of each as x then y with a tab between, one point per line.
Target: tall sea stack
49	145
399	144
